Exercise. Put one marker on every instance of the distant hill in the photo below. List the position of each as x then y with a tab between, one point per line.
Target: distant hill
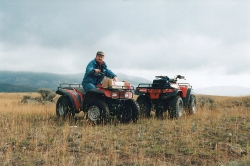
5	87
134	81
224	91
31	81
37	80
10	79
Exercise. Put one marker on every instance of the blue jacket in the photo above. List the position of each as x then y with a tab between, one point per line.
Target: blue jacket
91	77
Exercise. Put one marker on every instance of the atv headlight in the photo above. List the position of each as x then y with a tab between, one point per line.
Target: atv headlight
126	95
114	95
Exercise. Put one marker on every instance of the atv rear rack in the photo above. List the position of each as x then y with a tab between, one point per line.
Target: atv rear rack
153	86
160	86
149	88
68	85
184	84
155	91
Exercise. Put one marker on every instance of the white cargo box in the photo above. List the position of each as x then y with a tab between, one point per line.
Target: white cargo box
109	83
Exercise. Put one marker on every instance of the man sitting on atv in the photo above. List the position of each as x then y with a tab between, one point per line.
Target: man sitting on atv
95	72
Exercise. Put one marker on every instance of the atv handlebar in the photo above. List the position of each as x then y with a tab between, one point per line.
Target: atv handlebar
179	76
100	73
175	77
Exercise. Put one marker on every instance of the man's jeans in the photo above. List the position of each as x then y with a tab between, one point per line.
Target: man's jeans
88	86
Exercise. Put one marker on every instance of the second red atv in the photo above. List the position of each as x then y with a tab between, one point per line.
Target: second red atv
99	104
166	95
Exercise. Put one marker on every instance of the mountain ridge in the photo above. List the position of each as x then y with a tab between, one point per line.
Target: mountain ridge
51	80
5	87
11	81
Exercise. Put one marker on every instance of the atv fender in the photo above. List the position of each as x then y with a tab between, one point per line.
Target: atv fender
174	93
186	98
75	97
141	91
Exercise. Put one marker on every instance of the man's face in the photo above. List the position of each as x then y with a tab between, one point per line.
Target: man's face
99	58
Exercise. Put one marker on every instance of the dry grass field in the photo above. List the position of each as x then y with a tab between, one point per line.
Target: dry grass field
219	134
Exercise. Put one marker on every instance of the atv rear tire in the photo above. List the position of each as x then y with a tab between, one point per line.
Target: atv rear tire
192	105
145	106
175	107
98	112
161	114
64	107
131	111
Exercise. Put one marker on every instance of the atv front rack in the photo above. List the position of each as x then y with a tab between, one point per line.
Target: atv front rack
129	88
122	93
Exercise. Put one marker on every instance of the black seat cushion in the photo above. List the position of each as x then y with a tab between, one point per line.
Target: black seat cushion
160	83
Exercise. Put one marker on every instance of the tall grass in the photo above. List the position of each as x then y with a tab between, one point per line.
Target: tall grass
32	135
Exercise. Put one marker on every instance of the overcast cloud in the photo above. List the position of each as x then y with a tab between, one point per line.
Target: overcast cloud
207	41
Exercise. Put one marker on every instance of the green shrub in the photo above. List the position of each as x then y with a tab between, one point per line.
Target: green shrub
47	95
208	102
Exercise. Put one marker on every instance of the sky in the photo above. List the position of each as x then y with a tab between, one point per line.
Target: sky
206	41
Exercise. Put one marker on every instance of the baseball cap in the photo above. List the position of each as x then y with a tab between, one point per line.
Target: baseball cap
100	53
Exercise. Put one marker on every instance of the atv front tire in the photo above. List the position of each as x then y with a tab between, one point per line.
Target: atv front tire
131	111
192	105
64	107
98	112
175	107
145	106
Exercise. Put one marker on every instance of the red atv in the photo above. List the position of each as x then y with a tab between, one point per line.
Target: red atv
165	95
98	104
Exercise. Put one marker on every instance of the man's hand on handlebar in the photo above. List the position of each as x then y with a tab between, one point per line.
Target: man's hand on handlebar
97	71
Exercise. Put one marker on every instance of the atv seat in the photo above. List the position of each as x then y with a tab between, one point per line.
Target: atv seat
81	90
160	83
